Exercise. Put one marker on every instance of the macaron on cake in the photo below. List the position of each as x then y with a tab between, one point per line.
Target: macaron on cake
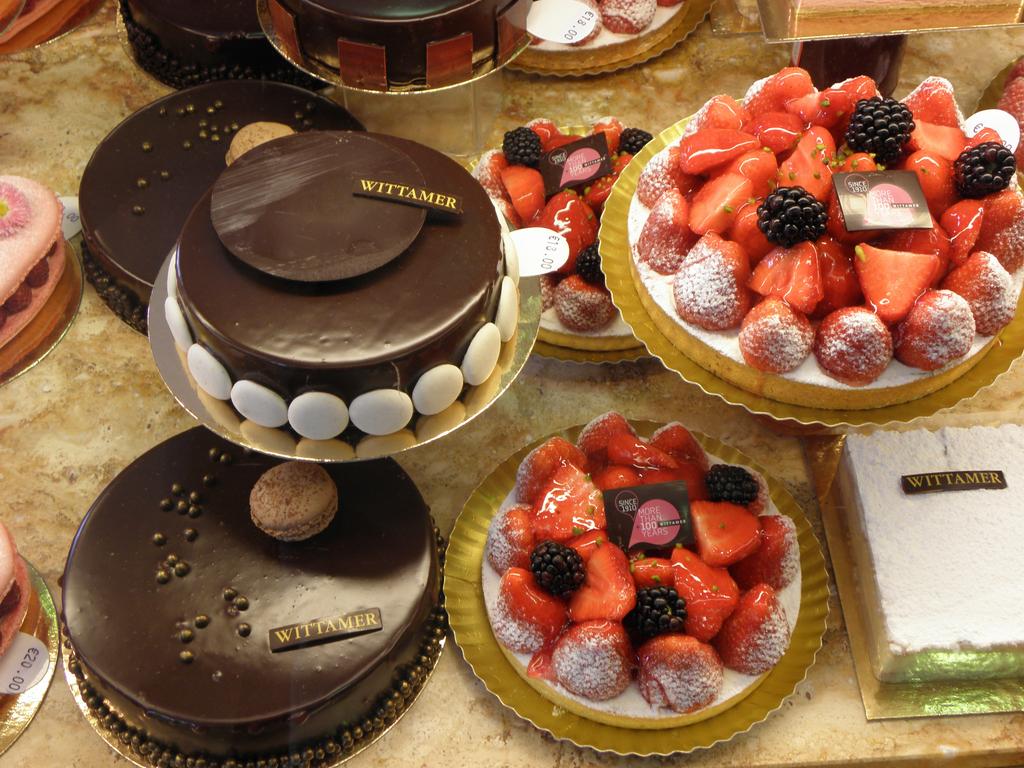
32	252
293	501
15	590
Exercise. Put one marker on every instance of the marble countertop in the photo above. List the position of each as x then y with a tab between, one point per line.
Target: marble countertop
69	425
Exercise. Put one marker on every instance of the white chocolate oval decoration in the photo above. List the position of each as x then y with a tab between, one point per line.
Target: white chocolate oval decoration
437	389
318	415
482	355
176	322
507	316
381	411
208	373
259	404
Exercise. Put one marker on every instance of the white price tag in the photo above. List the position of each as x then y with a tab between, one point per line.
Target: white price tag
71	224
24	664
1001	122
540	250
561	21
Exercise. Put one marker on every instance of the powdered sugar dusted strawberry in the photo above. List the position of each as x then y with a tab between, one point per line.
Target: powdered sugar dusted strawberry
938	330
755	637
776	562
666	237
548	284
774	337
710	288
583	306
525	617
676	440
661	174
594	659
678	672
488	172
988	288
593	438
540	464
853	346
933	102
1002	228
627	17
510	538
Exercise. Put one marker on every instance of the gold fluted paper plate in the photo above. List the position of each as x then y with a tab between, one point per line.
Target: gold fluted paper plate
581	61
16	712
472	629
616	262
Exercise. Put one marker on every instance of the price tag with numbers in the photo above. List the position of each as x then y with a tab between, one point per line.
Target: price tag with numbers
540	250
24	664
561	21
71	224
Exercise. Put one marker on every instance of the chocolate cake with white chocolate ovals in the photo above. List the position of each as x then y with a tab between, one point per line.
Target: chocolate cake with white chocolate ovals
174	638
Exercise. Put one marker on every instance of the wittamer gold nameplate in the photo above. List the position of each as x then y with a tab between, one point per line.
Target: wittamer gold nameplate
409	195
959	480
325	630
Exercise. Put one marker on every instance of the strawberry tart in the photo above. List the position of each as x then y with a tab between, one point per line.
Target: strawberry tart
577	308
742	256
640	638
945	609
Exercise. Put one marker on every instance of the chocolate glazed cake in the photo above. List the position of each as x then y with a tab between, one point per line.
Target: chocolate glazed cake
401	44
188	42
174	601
148	173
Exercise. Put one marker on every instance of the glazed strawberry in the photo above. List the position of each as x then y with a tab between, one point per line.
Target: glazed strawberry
933	102
893	280
943	141
661	174
627	17
755	638
988	288
567	214
791	274
594	659
616	476
809	165
588	543
779	131
546	130
861	87
568	505
825	109
714	207
676	440
510	538
710	288
548	284
720	111
525	189
679	673
773	93
932	241
612	129
608	591
526	618
710	593
858	161
540	464
938	330
774	337
776	562
962	223
936	176
838	277
688	472
541	667
853	346
725	533
1002	228
746	234
652	572
593	438
760	167
631	451
709	148
984	136
488	172
666	237
598	193
583	306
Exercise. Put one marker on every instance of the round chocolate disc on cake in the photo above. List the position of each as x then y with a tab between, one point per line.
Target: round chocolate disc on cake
146	176
215	639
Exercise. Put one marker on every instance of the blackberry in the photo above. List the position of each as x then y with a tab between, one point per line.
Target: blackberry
522	147
733	484
633	140
557	568
658	610
588	265
791	215
984	169
881	127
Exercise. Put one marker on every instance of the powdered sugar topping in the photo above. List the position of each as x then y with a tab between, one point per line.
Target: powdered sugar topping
515	634
939	329
705	289
776	342
588	663
683	683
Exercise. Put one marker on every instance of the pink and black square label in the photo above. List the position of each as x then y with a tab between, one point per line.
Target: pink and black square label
575	164
646	517
882	200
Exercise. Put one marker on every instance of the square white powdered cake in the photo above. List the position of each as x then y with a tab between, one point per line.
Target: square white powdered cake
948	566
